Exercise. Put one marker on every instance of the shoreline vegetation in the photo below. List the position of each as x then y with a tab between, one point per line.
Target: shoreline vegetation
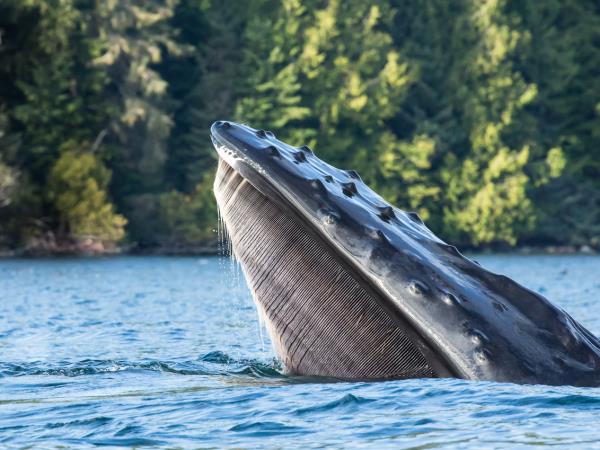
483	116
93	248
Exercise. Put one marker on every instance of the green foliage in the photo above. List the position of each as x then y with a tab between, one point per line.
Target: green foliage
482	115
496	204
135	40
488	200
189	220
8	176
50	95
47	69
334	80
563	61
207	84
173	220
406	164
77	186
8	182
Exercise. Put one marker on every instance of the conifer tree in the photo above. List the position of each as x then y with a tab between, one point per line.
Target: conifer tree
487	188
205	86
136	39
332	79
50	85
563	61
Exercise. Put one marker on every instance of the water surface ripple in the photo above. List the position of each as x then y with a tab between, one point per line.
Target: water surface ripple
153	351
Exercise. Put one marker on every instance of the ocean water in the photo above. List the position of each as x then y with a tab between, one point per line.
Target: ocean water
168	352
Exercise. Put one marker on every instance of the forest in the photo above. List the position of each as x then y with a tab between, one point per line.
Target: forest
481	115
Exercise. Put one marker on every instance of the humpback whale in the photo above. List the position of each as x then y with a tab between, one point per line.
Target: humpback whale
354	288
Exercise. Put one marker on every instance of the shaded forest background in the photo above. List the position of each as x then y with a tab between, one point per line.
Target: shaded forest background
482	115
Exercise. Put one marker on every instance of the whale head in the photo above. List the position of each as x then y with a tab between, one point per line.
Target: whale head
355	288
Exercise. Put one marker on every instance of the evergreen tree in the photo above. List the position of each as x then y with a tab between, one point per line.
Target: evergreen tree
205	85
563	60
430	38
55	92
487	188
333	79
136	39
271	95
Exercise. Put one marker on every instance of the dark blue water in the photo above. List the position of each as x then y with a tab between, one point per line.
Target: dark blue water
168	352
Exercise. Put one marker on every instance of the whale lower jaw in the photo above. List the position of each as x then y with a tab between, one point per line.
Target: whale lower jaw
323	320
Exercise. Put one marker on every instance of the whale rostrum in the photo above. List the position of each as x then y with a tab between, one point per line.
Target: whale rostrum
354	288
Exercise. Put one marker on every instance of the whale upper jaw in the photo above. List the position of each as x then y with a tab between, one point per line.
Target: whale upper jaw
464	320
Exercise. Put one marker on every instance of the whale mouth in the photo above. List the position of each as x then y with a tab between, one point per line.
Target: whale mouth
323	319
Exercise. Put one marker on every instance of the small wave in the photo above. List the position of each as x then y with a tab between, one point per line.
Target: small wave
213	363
261	429
252	367
570	400
94	422
348	401
129	442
